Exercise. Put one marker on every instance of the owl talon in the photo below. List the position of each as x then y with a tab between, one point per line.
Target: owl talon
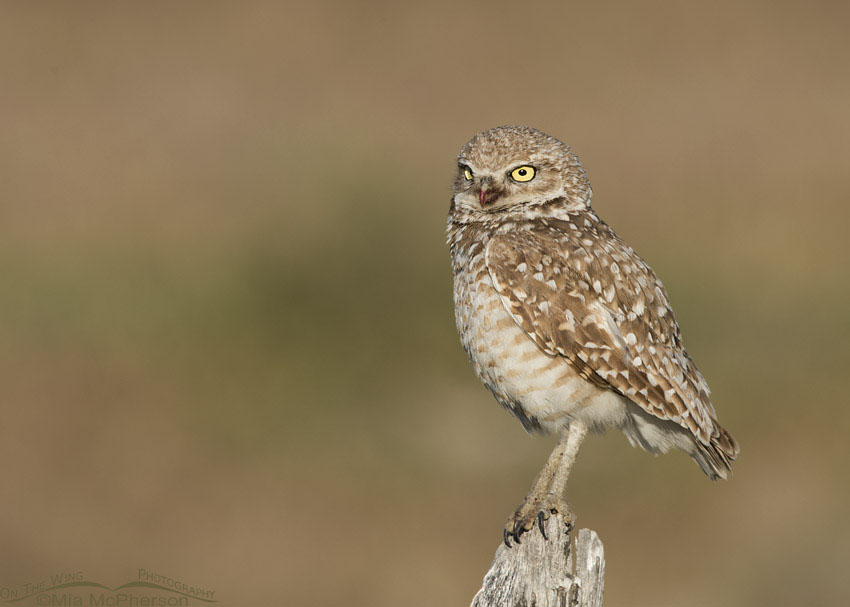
536	510
541	524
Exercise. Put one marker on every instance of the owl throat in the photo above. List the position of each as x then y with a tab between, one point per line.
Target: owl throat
464	226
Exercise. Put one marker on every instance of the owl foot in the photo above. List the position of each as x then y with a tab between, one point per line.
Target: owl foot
536	508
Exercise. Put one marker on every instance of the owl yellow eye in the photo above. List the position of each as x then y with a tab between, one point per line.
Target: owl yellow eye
523	173
467	173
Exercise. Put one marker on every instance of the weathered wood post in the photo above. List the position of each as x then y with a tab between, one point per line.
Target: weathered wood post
546	573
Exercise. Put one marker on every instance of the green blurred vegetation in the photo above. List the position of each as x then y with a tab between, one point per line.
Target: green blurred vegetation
227	347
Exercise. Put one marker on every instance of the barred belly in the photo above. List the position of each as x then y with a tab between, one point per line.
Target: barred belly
544	392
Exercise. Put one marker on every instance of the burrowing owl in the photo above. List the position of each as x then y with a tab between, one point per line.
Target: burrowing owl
564	323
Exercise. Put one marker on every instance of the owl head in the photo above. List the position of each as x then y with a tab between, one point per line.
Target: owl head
508	167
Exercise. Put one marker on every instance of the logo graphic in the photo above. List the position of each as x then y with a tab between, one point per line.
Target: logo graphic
74	589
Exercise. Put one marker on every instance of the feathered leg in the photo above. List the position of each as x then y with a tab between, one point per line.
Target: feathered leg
546	495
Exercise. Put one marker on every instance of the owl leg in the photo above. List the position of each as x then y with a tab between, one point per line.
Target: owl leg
572	438
546	495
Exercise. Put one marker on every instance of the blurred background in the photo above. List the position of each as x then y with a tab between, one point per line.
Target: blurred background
227	344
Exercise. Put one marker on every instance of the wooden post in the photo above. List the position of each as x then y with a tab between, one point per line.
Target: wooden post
545	573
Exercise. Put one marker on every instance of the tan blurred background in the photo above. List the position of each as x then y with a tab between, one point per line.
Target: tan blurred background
227	349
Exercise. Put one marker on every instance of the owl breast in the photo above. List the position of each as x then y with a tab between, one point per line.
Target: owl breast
543	391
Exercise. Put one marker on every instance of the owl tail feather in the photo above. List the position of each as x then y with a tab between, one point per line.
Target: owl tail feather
717	456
